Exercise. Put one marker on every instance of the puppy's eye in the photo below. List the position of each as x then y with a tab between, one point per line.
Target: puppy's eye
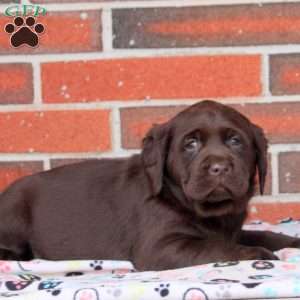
234	140
191	144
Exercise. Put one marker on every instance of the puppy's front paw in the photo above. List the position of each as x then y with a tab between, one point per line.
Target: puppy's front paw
257	253
295	243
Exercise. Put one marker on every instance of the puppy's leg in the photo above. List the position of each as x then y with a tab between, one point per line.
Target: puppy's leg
269	240
14	224
190	252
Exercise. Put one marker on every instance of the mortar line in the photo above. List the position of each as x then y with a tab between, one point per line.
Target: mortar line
265	75
275	173
152	53
280	198
142	103
107	31
37	83
46	164
116	130
78	155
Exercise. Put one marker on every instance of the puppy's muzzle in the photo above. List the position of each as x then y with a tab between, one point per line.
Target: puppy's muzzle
217	166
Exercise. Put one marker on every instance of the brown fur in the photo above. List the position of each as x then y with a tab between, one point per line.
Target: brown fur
181	202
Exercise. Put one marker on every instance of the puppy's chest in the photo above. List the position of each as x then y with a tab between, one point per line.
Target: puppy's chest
227	228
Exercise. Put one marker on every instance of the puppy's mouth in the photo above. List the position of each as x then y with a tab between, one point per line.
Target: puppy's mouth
217	203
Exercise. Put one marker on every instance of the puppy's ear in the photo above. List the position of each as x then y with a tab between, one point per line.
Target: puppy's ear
154	153
261	147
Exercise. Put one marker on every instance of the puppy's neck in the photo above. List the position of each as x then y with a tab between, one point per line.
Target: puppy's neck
228	225
173	194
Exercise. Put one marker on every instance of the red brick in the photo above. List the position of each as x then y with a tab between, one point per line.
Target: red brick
155	78
273	212
64	32
135	122
289	172
11	171
280	121
285	74
55	131
16	84
228	25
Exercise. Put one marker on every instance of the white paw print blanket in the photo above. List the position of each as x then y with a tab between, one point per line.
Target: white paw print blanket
113	280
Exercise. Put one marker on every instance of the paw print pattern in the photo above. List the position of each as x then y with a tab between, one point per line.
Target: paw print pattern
221	280
29	277
119	276
86	294
223	292
9	294
251	285
71	274
4	267
262	265
48	284
17	285
270	293
54	292
24	31
26	280
97	265
26	266
163	289
226	264
119	273
115	292
194	294
260	276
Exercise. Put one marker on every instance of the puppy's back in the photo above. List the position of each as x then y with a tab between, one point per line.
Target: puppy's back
76	211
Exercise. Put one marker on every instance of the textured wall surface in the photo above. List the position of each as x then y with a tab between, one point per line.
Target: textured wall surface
105	71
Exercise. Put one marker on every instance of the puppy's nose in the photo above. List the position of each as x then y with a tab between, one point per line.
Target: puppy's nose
218	168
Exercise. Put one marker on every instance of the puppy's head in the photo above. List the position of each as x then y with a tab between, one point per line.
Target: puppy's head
210	153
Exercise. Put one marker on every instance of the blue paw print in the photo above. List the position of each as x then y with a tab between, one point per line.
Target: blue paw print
271	293
48	284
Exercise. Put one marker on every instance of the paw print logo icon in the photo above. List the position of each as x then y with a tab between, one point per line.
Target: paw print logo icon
24	31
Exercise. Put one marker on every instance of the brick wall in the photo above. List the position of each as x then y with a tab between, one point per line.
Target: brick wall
105	71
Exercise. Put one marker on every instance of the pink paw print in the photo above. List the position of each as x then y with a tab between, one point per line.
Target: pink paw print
86	294
17	285
4	267
194	294
20	285
289	254
289	267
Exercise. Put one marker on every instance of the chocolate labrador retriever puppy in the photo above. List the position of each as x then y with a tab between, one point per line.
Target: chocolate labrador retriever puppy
182	202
